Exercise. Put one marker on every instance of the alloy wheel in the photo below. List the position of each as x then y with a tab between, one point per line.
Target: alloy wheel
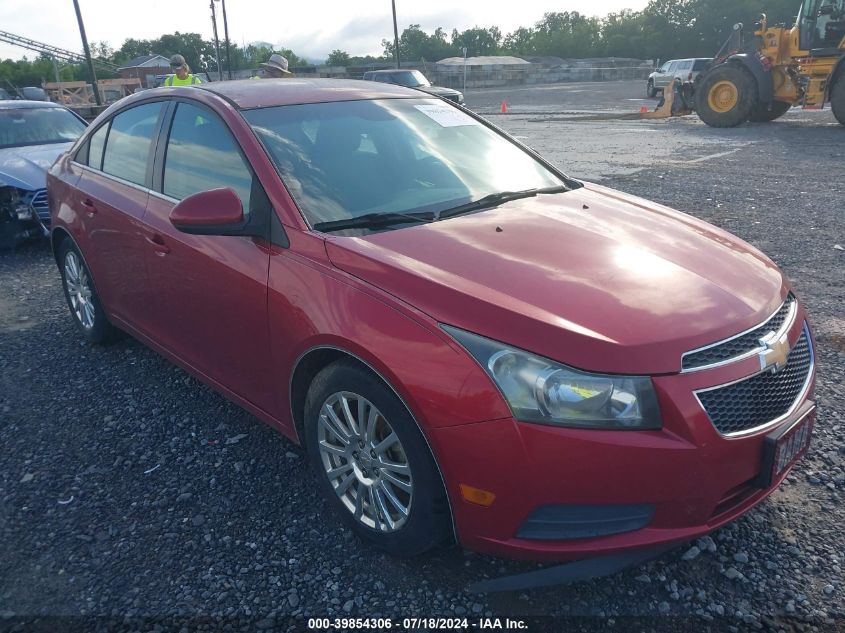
78	288
365	462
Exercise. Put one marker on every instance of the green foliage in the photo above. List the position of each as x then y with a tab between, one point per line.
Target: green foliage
338	58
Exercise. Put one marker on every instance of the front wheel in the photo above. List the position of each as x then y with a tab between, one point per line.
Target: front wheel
837	99
372	462
770	112
726	96
650	90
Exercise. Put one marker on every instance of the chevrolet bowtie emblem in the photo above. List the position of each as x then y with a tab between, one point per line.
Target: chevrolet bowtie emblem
776	351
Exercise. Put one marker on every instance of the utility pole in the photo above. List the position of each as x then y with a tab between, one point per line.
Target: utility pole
395	35
87	53
226	35
465	69
216	42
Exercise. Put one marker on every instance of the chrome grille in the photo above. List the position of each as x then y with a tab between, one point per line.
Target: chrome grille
739	345
763	398
40	205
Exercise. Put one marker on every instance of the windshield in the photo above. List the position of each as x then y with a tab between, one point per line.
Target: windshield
347	159
38	126
410	78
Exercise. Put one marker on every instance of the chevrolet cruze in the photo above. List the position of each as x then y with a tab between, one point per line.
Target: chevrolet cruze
471	344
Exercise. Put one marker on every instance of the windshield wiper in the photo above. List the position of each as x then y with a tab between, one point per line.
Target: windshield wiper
373	221
495	199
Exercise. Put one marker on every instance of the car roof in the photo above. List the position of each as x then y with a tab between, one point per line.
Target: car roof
259	93
20	104
384	71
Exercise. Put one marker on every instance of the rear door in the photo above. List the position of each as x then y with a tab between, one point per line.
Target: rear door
683	69
210	290
111	200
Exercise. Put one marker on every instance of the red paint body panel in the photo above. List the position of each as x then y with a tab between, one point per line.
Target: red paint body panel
210	304
612	288
593	278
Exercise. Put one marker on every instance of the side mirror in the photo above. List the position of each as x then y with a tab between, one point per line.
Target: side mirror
214	212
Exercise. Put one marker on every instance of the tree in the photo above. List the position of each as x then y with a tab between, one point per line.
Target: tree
520	42
338	58
415	44
477	40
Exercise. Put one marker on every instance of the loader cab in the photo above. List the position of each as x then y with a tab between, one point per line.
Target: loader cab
821	26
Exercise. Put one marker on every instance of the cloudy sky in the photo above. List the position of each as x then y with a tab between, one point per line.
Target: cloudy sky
310	28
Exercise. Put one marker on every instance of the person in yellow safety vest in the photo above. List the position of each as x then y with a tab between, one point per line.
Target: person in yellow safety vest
183	76
275	67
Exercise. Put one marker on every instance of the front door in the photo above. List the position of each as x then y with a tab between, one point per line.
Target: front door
210	291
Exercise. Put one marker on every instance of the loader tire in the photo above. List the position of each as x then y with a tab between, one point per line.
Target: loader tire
726	96
837	99
764	114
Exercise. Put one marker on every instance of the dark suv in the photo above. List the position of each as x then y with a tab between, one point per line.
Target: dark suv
413	79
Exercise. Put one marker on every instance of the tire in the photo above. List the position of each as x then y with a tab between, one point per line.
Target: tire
726	96
763	114
650	90
357	454
837	99
82	298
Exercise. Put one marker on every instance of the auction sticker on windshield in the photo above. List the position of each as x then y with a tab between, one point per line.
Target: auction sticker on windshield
446	116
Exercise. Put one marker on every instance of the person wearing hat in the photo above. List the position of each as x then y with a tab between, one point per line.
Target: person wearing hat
276	67
183	76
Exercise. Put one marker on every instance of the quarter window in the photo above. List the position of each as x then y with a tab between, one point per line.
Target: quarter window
202	155
128	144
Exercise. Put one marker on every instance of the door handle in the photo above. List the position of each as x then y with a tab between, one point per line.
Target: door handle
89	206
159	245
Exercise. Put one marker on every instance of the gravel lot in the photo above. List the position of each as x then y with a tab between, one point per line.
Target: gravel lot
134	495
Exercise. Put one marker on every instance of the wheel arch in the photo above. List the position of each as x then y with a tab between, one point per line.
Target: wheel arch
762	77
57	237
317	358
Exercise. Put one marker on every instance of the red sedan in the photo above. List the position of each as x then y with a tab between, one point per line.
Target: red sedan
469	343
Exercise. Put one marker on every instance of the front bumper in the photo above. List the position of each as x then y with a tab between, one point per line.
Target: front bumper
685	479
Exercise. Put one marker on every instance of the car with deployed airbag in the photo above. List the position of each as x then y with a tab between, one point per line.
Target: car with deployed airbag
471	344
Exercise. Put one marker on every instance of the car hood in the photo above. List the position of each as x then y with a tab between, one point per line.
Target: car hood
439	91
593	278
26	167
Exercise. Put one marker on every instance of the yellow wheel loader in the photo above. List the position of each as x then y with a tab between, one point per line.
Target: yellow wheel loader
783	67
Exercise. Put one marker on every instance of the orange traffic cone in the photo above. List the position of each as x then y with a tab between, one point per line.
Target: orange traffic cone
504	107
643	109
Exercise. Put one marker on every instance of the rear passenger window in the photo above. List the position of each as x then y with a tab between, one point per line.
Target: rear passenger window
129	141
202	155
95	147
686	65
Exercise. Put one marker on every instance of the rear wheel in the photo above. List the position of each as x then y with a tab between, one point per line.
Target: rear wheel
765	113
726	96
372	462
82	299
837	99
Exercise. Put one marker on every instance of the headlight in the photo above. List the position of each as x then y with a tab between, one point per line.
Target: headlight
543	391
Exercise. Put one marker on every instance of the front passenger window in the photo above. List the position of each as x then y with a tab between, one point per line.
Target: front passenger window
202	155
